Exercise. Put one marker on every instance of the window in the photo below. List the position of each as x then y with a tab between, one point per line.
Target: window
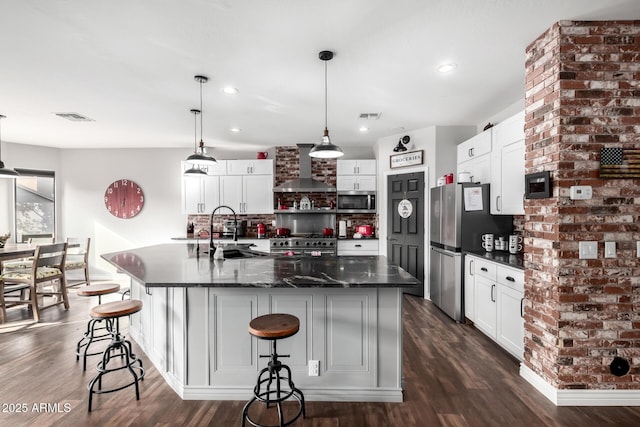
35	204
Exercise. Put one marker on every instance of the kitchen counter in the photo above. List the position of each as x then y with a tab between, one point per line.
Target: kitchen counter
179	265
502	257
196	311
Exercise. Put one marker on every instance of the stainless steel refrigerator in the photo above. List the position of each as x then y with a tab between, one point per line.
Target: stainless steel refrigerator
459	217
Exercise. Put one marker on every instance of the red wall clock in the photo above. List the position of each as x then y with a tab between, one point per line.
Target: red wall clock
124	198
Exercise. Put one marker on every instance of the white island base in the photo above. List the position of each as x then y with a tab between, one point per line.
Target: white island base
198	340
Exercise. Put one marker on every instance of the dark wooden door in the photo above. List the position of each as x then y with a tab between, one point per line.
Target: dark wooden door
405	236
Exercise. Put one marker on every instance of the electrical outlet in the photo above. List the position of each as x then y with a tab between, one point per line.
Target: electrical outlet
588	250
314	368
609	249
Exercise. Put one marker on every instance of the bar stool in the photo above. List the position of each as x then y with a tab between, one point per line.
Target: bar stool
119	346
273	327
93	333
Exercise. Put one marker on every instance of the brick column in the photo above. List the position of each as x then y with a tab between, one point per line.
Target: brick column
582	94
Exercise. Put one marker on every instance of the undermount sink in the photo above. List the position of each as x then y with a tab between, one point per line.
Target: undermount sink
240	253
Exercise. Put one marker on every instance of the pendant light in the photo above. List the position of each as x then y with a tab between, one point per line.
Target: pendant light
200	156
5	172
195	170
326	150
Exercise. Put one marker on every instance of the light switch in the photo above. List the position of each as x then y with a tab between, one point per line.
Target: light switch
609	249
588	250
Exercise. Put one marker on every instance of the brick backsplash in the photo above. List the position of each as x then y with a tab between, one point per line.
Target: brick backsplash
582	93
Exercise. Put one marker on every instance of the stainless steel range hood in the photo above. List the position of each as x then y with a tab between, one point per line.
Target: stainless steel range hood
304	184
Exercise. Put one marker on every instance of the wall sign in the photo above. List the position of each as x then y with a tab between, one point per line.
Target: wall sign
411	158
405	208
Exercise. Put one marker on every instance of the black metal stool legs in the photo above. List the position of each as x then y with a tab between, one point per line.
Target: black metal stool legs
268	376
119	346
91	336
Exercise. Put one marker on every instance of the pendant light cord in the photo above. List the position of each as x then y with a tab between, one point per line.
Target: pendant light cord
325	94
201	116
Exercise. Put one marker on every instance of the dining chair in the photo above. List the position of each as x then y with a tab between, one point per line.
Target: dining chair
23	263
47	268
78	258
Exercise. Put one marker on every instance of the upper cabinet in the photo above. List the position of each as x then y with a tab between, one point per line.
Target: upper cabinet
250	167
356	167
244	185
356	175
496	156
474	156
507	173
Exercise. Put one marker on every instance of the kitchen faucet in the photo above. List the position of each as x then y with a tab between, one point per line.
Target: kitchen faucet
235	228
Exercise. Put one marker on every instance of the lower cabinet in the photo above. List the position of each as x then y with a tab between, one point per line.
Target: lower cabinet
498	294
357	247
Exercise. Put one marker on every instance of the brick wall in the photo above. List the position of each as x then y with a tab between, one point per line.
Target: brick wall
582	94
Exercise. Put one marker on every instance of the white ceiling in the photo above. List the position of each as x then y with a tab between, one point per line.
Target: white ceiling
129	65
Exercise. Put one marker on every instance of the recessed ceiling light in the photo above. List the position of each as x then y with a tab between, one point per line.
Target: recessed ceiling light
230	90
235	129
363	129
445	68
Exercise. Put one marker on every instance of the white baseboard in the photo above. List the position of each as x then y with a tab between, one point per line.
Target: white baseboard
563	397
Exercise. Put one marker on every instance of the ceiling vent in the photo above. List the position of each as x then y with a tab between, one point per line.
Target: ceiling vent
74	117
370	116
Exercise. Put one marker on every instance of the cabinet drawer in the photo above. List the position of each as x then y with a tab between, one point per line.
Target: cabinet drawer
357	247
485	268
510	277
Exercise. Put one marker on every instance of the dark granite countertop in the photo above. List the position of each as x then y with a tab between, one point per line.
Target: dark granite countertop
501	257
178	265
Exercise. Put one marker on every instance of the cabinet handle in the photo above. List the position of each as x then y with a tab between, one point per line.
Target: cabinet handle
511	279
471	268
498	203
470	152
147	290
522	307
484	269
492	288
357	246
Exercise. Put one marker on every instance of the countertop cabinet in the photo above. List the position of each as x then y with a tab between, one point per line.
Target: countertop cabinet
356	175
507	173
201	193
498	295
474	156
357	247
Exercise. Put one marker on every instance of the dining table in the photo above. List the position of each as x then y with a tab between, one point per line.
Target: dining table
17	251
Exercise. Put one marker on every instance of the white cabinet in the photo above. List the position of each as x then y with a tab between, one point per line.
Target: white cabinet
356	167
200	194
509	313
358	247
250	167
469	264
507	174
474	156
356	182
248	194
498	295
485	297
356	175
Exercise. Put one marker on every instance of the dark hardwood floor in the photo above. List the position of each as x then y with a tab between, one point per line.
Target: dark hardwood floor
454	376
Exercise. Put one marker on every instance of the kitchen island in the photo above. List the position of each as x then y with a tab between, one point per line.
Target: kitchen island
196	311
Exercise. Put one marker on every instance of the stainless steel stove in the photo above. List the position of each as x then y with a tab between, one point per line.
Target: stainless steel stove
304	246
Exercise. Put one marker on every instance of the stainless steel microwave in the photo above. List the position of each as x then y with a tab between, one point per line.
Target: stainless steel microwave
356	202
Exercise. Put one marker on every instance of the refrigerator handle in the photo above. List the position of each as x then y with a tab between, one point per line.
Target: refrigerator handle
492	297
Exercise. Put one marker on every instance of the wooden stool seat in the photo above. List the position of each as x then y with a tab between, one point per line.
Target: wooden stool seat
98	289
114	309
274	326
